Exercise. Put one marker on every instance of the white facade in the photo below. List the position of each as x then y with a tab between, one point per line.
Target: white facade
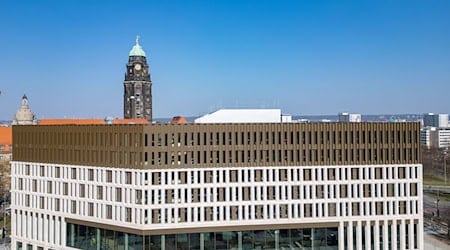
346	117
435	120
365	201
444	138
435	137
243	116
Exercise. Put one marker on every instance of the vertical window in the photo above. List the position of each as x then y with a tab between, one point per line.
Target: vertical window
128	214
66	188
73	207
99	192
82	190
108	212
73	173
49	187
91	174
90	209
108	176
128	177
42	170
57	204
118	194
57	172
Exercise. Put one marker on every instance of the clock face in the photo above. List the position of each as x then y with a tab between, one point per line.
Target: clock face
137	67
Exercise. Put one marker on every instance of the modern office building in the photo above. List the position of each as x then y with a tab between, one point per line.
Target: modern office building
432	137
217	186
435	120
347	117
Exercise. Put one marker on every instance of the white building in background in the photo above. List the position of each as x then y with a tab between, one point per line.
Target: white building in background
428	137
435	120
244	116
347	117
432	137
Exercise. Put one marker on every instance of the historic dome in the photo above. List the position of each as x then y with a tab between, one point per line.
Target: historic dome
137	49
24	116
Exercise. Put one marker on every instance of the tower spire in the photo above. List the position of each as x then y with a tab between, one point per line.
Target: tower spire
137	39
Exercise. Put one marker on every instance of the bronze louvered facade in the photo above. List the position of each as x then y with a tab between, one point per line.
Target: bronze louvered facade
219	145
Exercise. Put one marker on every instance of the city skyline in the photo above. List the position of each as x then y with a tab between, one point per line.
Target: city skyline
305	58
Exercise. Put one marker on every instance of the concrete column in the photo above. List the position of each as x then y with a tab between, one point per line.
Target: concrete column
411	235
420	234
341	235
402	235
368	236
350	235
202	241
385	235
376	235
358	235
240	240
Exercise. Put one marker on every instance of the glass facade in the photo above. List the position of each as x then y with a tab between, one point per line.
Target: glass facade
84	237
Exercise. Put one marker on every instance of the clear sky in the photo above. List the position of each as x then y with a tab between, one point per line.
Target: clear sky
305	57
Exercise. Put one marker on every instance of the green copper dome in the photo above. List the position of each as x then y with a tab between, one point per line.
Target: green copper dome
137	49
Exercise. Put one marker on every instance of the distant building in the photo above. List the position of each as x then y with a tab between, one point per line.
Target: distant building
178	120
137	94
244	116
91	121
433	137
435	120
428	136
347	117
5	157
24	116
5	142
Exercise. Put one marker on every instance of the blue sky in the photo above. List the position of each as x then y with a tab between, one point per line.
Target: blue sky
305	57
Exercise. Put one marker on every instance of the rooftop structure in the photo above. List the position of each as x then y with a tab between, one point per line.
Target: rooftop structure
242	116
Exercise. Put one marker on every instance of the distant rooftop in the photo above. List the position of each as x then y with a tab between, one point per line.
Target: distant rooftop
242	116
90	121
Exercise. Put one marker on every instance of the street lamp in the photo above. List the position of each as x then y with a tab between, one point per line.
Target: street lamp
437	203
445	165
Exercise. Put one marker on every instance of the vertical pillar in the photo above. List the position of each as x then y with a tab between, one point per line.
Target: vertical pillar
126	241
350	235
97	238
240	239
358	235
385	235
341	235
411	234
72	235
163	242
402	235
376	235
277	238
368	236
202	241
394	234
420	234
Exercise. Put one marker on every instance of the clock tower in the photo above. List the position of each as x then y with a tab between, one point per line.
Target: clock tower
137	96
